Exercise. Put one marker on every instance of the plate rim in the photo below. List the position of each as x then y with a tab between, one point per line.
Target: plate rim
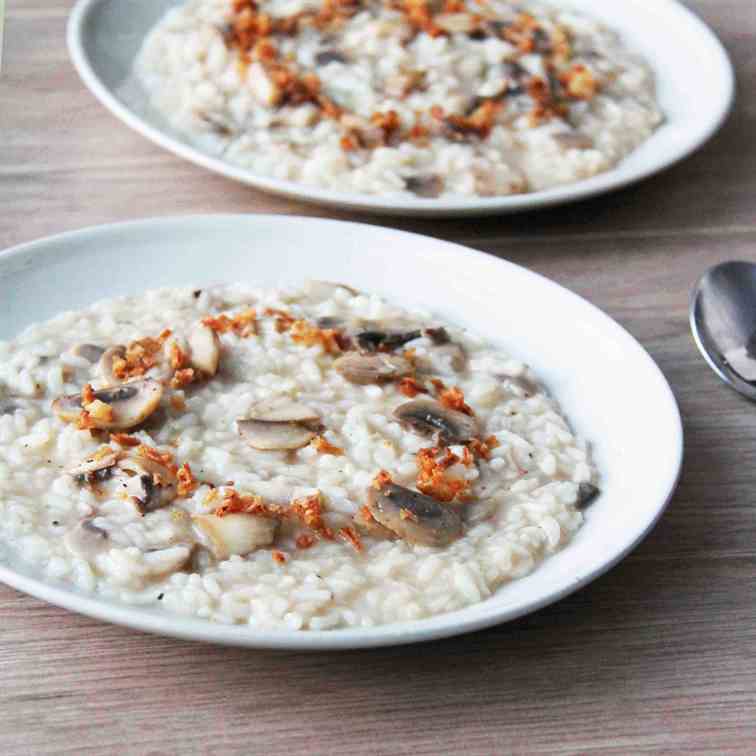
401	633
602	183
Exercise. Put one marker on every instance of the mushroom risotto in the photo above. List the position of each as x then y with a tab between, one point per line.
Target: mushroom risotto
309	458
426	98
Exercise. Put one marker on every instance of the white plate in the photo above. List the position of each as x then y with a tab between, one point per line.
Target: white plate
694	76
606	382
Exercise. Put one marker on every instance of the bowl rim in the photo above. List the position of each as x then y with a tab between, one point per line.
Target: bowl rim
604	182
440	626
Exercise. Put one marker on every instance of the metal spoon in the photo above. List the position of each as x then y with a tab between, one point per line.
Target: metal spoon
723	321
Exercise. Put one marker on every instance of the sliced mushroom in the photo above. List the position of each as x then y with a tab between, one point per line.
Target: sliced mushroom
147	484
8	407
282	410
132	403
324	57
279	424
515	77
587	492
370	526
274	436
526	384
385	341
204	346
480	510
89	352
425	186
94	469
140	490
439	336
161	562
414	517
105	366
429	418
542	41
234	533
372	368
318	291
445	353
86	540
329	321
574	141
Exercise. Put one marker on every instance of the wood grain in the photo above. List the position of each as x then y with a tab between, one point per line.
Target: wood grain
658	656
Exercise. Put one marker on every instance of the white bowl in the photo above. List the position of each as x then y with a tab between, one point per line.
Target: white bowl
606	382
694	77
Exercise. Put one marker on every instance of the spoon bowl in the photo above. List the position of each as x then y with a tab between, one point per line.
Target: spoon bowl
723	322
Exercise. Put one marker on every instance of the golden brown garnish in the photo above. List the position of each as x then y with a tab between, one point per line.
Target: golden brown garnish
348	143
278	556
366	514
178	357
294	89
411	388
161	458
283	319
546	106
309	511
236	503
264	50
323	446
248	26
478	123
382	479
307	334
388	123
124	439
350	536
178	403
244	324
183	378
187	483
94	413
579	83
468	460
419	132
100	411
332	13
522	33
420	15
139	357
454	399
482	448
432	479
305	541
438	384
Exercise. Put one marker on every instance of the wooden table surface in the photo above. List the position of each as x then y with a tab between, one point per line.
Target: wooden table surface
657	656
